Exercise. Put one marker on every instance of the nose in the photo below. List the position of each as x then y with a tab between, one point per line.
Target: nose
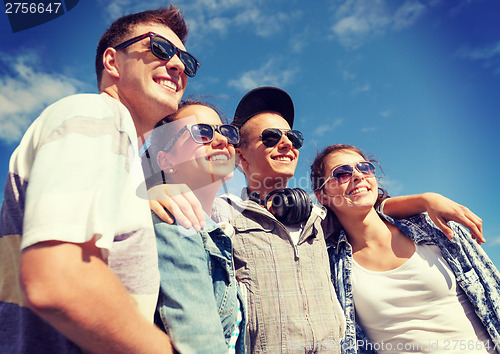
285	142
356	175
175	64
219	140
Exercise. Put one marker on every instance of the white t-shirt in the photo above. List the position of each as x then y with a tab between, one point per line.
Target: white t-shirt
417	307
76	171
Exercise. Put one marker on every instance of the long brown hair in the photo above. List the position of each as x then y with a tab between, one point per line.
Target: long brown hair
318	168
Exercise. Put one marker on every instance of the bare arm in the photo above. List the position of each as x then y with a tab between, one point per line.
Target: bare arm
70	287
440	209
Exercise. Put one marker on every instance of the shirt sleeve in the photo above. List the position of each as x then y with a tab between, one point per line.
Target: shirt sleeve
187	304
77	177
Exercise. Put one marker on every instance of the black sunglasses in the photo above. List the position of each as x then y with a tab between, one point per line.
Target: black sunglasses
272	136
203	133
163	49
343	174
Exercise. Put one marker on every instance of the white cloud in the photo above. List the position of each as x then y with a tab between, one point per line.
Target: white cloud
117	8
386	113
408	14
360	88
479	53
25	91
369	129
265	75
356	20
488	55
208	17
324	129
393	187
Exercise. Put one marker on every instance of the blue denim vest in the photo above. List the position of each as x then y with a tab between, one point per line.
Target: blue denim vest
474	271
199	296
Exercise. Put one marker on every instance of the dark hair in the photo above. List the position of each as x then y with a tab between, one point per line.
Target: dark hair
318	173
170	17
162	134
318	168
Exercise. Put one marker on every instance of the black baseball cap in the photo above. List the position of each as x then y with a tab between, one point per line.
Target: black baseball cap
264	99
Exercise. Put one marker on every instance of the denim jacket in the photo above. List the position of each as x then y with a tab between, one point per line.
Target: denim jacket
474	272
199	296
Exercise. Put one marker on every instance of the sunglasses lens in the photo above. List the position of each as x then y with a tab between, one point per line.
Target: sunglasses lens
366	168
202	133
342	174
190	63
271	137
162	49
231	133
296	138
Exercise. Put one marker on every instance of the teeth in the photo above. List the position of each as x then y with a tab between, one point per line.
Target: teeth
282	158
167	83
358	190
218	157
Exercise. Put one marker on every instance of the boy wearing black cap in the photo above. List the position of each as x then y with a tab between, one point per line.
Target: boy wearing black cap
283	267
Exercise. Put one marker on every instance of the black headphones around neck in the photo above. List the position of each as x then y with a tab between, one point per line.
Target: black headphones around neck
288	205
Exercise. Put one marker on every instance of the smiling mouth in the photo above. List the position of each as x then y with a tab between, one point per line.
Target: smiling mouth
167	83
218	158
282	158
357	190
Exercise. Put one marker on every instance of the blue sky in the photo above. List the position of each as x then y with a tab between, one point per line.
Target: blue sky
416	83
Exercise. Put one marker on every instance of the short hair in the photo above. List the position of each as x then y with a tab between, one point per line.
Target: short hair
170	17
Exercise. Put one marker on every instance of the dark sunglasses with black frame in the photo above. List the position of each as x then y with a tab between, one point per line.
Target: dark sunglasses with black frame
343	174
163	49
271	137
203	133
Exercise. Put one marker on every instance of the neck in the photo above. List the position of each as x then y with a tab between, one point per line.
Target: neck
206	196
264	186
143	123
364	229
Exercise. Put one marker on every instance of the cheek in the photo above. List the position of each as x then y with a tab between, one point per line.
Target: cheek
199	153
184	80
334	189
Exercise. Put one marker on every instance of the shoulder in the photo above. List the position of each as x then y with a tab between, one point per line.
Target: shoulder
415	226
227	207
85	102
89	106
90	115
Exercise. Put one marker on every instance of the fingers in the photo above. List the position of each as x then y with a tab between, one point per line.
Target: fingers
177	202
184	212
159	210
196	208
474	223
441	223
185	206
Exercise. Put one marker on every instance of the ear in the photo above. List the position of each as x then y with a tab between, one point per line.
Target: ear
241	162
163	160
109	61
240	159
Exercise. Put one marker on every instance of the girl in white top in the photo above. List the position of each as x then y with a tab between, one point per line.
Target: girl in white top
405	294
